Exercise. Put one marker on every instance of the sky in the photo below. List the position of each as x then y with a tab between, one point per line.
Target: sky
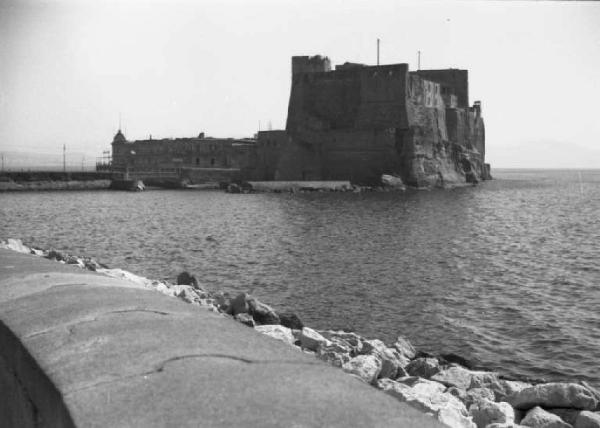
70	69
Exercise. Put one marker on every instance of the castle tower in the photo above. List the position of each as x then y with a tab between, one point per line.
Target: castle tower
119	137
310	64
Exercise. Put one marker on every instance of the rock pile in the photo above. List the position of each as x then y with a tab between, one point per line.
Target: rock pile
441	386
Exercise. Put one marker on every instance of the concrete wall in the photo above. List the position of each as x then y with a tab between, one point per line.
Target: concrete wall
78	349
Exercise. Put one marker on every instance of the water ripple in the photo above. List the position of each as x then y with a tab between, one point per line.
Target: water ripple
505	274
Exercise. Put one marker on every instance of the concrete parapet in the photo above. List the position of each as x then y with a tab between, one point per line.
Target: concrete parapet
81	349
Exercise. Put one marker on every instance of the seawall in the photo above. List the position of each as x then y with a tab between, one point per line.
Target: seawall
81	349
53	180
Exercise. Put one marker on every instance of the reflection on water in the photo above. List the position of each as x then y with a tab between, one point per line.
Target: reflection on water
506	273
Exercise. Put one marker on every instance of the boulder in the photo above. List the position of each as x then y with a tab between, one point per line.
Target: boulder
405	348
428	396
223	302
393	362
504	388
423	367
594	392
16	245
187	293
53	255
91	264
262	314
587	419
392	182
539	418
238	305
245	319
485	412
548	395
278	332
456	359
366	367
504	425
463	378
567	415
234	188
311	340
475	395
342	337
461	394
372	346
334	353
290	320
186	278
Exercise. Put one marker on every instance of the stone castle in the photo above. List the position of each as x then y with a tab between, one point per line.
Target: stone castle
353	123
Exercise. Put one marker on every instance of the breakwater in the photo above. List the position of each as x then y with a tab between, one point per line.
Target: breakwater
443	386
53	180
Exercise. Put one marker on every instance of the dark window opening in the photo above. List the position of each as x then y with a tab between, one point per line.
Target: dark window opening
197	161
212	161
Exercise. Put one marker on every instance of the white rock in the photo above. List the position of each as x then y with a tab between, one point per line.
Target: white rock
392	361
476	395
549	395
405	348
428	396
485	412
366	367
539	418
311	340
335	354
462	378
587	419
15	245
278	332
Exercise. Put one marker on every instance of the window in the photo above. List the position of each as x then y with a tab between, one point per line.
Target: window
212	161
197	161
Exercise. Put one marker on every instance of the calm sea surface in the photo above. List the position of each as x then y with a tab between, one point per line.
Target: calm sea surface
506	274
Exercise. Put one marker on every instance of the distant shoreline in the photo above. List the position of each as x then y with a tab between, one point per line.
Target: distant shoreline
26	186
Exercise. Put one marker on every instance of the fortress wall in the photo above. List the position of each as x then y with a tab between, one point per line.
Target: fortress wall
310	64
458	80
360	156
269	147
382	100
301	161
342	124
426	154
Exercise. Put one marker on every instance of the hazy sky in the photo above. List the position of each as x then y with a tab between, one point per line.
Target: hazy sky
176	68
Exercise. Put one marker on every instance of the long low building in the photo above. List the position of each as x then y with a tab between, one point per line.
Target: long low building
199	159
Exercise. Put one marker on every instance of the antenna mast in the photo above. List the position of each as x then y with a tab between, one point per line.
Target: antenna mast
64	158
418	60
377	51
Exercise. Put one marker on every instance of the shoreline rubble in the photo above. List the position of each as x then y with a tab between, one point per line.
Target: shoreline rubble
452	393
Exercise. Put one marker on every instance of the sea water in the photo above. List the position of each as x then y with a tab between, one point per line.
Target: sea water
506	274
